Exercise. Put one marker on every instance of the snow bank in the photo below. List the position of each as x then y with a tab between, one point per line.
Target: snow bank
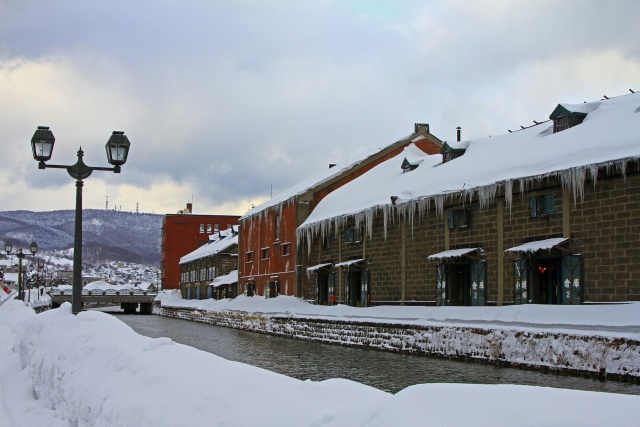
616	320
93	370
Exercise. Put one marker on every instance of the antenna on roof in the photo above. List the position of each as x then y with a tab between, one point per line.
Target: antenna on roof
631	90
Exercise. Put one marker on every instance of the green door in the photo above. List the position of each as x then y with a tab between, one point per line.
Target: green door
441	284
571	279
346	287
331	284
521	274
478	283
364	288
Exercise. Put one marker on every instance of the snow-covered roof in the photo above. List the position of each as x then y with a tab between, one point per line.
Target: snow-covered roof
350	262
318	266
538	245
323	177
609	136
453	253
224	242
227	279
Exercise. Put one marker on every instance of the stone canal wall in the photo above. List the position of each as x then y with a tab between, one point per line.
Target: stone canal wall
562	352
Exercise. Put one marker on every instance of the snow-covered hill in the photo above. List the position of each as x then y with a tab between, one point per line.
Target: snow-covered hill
106	234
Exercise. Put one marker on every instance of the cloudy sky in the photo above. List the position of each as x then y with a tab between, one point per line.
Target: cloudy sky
227	101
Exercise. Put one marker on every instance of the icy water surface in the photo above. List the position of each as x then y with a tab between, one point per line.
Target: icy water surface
309	360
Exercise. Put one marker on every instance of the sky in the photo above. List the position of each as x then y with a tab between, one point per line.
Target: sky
228	102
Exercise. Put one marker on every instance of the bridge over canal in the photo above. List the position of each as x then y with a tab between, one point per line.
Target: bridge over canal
128	301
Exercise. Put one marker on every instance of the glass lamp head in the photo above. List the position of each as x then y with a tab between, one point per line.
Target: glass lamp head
117	148
42	144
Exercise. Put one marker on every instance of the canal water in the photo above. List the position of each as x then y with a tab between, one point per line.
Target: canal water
391	372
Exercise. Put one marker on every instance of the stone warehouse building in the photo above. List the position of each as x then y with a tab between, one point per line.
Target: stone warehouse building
270	259
548	214
215	260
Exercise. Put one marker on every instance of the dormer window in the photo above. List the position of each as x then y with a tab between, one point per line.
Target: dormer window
449	153
565	117
408	166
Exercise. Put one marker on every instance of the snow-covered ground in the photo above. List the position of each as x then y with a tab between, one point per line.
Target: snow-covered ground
91	369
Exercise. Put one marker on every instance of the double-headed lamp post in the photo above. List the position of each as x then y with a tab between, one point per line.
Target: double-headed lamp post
117	151
8	247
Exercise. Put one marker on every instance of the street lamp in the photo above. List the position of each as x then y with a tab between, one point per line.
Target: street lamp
8	247
117	148
30	282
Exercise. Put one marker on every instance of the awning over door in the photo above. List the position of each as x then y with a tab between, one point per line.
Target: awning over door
317	267
453	253
227	279
350	262
533	247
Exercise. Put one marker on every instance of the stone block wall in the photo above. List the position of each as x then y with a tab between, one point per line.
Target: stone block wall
578	354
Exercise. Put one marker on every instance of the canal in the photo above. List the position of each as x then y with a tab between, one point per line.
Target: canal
391	372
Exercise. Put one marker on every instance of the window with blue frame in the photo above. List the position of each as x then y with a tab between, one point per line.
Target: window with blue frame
457	218
353	235
541	206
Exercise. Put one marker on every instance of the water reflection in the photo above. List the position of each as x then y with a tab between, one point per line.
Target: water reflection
309	360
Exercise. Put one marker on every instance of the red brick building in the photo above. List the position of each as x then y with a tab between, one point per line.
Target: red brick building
182	233
269	257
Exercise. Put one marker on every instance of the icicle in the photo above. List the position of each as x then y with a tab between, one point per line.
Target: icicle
487	195
508	194
439	202
593	174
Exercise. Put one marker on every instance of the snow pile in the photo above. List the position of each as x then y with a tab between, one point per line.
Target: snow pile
93	370
100	285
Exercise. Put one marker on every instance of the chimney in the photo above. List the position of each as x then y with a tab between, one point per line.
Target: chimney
421	127
189	208
458	133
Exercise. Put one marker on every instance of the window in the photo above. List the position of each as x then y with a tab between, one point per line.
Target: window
542	205
209	229
458	218
202	228
277	227
249	256
286	249
353	235
326	242
265	253
216	228
560	124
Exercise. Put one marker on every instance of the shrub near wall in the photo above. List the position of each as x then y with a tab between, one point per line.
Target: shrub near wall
576	354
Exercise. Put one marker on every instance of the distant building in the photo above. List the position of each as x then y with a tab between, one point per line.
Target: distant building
182	233
205	272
